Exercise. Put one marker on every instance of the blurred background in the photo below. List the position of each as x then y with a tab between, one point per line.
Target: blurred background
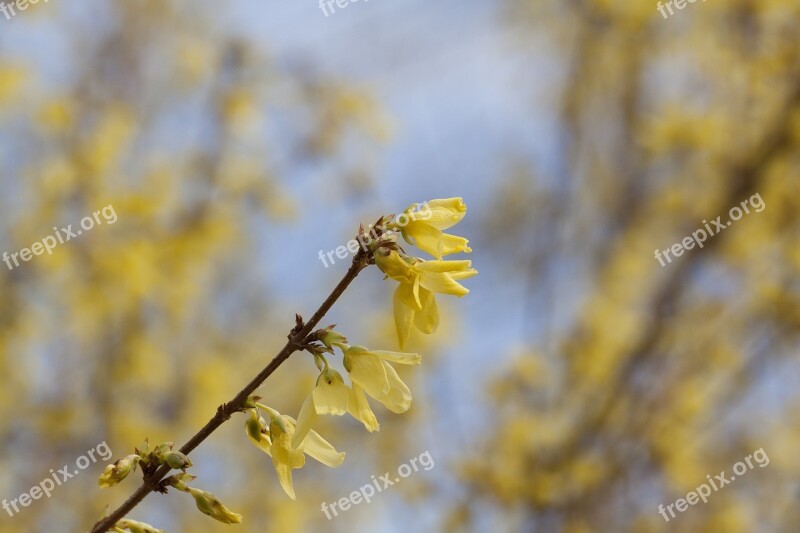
579	385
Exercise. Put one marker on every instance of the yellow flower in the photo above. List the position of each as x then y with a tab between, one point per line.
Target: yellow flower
275	440
424	227
414	301
118	471
329	397
211	506
370	371
333	397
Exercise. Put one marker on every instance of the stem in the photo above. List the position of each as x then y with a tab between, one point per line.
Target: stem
226	410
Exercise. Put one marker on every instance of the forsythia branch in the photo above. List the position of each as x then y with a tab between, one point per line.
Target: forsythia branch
286	440
297	338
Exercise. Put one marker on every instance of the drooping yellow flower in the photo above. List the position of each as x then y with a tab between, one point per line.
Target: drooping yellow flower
414	301
275	439
423	227
329	397
370	371
114	473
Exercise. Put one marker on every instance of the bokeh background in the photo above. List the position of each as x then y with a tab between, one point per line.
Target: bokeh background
576	388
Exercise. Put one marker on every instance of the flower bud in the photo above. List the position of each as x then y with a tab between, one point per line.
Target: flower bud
118	471
329	337
179	481
137	527
176	460
211	506
144	453
253	426
163	448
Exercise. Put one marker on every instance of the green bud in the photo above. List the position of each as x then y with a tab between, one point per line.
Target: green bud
118	471
211	506
179	481
161	449
253	426
144	450
331	338
176	460
137	527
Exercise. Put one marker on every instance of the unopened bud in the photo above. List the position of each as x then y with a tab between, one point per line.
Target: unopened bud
211	506
118	471
330	338
137	527
179	481
176	460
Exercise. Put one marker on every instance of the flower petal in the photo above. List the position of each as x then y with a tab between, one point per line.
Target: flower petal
444	213
453	244
330	394
466	274
403	358
403	316
425	237
442	283
398	400
321	450
305	419
285	477
406	293
427	319
443	266
360	409
366	370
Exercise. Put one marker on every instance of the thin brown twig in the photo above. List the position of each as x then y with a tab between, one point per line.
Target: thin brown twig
297	338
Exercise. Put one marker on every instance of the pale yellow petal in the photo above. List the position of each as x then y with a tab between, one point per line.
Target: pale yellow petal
444	213
442	283
425	237
427	319
305	419
406	293
331	394
403	358
321	450
465	274
366	370
285	477
394	266
360	410
283	452
398	399
443	266
453	244
403	317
